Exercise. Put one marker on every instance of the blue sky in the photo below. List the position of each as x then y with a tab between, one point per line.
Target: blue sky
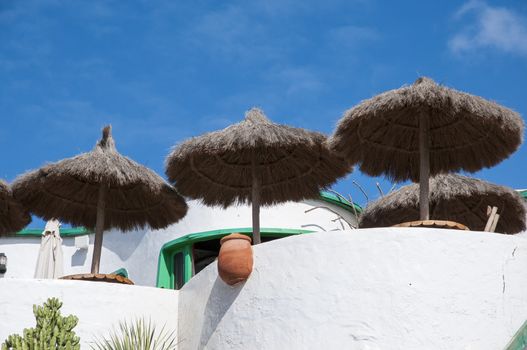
162	71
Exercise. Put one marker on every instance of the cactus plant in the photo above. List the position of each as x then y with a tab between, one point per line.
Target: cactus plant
52	331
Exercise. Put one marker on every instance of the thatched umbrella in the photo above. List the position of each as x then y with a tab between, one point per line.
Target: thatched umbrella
13	216
426	129
100	189
254	161
453	197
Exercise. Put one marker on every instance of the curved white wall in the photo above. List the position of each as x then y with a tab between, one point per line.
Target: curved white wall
99	306
391	288
138	251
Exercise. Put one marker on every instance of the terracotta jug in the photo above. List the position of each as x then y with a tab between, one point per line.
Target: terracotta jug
235	261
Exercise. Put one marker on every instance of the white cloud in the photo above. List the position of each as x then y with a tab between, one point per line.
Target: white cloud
229	31
350	36
236	32
297	80
269	31
289	7
491	28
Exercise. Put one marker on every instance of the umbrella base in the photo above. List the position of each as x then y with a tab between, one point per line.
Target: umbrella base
434	224
99	277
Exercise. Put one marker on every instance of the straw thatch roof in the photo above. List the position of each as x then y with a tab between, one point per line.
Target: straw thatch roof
452	197
13	216
292	163
68	190
466	131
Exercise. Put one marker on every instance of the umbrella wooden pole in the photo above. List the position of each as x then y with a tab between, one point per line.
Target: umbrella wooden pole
99	228
424	167
255	199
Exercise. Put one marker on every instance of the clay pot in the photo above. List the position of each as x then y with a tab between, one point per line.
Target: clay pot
235	260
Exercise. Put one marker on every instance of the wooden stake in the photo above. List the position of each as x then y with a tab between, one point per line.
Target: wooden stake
99	228
424	167
495	223
255	199
490	221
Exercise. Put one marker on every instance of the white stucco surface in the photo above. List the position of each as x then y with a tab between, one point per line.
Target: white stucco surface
138	251
99	306
391	288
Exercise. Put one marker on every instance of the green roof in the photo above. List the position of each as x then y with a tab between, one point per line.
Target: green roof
68	232
342	202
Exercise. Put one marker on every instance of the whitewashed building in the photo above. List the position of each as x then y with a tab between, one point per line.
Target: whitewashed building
337	288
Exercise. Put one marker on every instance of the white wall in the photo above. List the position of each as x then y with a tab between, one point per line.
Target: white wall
391	288
99	306
138	251
387	288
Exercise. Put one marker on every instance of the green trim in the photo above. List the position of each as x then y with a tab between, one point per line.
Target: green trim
66	232
339	201
187	252
121	272
165	277
165	268
523	194
519	341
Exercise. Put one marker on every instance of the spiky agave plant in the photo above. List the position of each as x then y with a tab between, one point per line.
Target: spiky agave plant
137	335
